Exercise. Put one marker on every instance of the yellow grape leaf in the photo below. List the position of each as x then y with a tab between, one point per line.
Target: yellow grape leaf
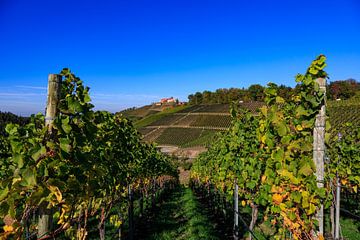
15	180
312	209
264	110
299	127
243	203
263	138
279	99
277	198
283	206
273	189
62	216
263	178
286	173
343	181
55	190
355	188
8	228
305	199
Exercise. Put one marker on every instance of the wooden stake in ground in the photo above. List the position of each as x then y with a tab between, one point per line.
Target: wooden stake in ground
337	203
236	211
319	152
54	91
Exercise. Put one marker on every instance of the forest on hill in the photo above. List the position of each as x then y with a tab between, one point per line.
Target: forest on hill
341	89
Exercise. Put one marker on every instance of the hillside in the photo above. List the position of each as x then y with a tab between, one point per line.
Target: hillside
196	125
190	126
139	113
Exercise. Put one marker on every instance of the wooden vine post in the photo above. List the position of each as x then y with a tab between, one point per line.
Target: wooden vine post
319	153
236	210
337	201
54	91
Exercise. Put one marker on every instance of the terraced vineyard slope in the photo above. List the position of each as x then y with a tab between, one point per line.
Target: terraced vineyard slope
194	125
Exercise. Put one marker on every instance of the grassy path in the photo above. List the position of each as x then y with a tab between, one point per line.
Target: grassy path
179	217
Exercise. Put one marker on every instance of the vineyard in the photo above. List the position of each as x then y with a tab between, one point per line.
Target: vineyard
166	120
185	137
191	126
273	170
213	121
341	113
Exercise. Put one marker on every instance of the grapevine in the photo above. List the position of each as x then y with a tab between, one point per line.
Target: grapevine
270	157
83	168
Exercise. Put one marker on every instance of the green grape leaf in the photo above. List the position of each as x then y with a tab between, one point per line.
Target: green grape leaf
65	125
65	145
40	150
306	170
3	193
29	176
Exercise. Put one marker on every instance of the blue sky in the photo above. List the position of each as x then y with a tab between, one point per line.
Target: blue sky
134	52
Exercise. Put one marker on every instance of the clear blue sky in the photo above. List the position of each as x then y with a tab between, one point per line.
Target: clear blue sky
134	52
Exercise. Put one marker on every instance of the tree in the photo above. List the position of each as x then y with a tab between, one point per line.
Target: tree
256	92
198	98
191	99
207	97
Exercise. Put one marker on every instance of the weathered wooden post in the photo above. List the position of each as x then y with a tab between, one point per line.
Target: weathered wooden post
319	152
236	210
54	94
337	198
54	91
337	208
332	207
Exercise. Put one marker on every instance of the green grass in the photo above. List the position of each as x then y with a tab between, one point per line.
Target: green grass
180	217
350	228
157	116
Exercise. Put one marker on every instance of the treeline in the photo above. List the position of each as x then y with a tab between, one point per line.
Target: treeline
227	95
7	117
343	89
